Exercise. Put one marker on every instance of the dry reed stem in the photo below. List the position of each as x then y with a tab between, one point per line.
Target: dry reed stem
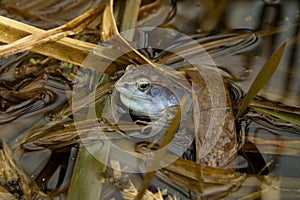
38	38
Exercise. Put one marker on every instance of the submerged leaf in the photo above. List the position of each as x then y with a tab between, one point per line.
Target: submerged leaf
262	78
85	183
285	116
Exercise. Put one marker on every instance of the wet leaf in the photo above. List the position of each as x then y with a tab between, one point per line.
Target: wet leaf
262	78
110	34
199	180
285	116
73	27
197	172
109	26
275	107
119	7
66	49
112	37
12	175
86	183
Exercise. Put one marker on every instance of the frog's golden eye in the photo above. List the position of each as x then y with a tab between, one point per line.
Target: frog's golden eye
143	85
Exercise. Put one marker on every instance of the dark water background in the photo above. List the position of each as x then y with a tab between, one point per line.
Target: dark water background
34	89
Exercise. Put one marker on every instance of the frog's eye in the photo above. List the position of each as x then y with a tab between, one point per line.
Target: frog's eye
143	85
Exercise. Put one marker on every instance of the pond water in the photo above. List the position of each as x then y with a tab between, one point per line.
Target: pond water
35	90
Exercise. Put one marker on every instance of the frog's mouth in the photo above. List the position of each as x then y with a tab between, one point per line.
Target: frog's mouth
132	95
135	97
134	100
140	105
139	108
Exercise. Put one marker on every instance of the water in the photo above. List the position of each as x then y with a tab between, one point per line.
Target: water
34	90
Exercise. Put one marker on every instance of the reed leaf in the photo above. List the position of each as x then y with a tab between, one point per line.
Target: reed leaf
38	38
86	182
130	18
262	78
284	116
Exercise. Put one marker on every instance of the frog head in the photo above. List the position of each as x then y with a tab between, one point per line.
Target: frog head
146	91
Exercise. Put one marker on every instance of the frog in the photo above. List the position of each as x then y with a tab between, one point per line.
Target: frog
146	91
157	93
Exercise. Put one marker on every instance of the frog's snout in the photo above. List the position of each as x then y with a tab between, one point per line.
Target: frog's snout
122	87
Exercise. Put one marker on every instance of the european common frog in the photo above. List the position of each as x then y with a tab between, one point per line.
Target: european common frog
150	92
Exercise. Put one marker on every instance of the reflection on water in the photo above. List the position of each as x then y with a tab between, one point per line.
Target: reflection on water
33	87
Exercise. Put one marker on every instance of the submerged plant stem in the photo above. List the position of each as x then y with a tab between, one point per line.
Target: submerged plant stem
86	182
130	17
